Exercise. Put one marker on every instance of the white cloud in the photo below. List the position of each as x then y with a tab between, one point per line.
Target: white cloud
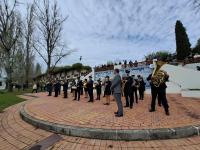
104	30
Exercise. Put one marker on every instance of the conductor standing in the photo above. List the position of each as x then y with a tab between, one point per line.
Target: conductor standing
116	88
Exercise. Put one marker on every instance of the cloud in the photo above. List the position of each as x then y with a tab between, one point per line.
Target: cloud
105	30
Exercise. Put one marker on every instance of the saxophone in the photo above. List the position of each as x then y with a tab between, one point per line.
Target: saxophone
158	75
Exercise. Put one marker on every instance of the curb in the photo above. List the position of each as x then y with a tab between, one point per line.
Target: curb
112	134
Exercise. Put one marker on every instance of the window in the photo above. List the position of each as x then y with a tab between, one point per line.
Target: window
0	83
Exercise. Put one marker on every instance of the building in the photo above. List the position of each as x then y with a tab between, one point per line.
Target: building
67	72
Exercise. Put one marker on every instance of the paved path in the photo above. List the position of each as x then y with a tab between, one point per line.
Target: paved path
184	112
16	134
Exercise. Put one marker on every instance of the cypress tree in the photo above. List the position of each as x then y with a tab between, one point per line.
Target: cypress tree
182	41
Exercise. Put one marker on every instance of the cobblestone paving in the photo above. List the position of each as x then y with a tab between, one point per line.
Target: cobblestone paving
184	111
16	134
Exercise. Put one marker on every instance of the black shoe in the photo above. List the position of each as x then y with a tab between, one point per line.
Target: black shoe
151	110
115	113
126	106
167	113
119	115
131	107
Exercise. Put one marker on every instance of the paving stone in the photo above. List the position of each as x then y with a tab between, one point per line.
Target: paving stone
70	143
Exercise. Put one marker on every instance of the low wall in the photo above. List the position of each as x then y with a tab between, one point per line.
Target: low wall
186	78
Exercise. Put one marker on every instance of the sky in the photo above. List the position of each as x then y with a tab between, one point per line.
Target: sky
113	30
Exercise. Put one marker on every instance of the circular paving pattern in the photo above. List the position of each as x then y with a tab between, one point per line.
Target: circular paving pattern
95	120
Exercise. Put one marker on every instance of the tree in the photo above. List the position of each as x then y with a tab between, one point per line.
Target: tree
10	32
29	27
161	55
182	41
49	45
38	70
196	49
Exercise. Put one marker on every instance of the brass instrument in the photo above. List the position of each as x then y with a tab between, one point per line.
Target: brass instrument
158	75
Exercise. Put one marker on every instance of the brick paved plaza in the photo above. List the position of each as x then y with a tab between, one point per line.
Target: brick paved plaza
184	112
17	134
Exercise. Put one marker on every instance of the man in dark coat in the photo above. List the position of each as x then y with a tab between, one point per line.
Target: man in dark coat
59	87
49	87
56	88
128	92
65	89
141	87
98	89
90	89
159	92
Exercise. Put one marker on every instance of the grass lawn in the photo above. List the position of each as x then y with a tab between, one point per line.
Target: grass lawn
8	99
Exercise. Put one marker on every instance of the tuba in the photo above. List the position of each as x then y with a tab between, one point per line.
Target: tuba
158	75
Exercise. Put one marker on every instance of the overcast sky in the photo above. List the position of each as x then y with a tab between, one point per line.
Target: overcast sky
104	30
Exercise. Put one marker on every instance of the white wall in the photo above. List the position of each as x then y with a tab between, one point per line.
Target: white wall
192	66
186	78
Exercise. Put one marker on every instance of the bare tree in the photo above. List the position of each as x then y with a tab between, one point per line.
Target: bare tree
10	31
50	46
29	27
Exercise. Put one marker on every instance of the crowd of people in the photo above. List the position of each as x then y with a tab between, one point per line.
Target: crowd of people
114	89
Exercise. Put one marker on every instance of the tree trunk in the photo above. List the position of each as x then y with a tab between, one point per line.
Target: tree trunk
9	80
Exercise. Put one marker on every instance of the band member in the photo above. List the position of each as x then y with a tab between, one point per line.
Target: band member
116	88
159	91
73	88
98	89
34	88
85	84
107	91
141	87
90	89
65	89
59	87
128	91
56	88
49	88
79	85
135	88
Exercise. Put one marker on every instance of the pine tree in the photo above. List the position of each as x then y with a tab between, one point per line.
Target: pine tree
182	41
196	49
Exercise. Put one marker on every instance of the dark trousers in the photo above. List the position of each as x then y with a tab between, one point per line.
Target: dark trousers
65	94
161	94
90	93
77	94
141	92
34	90
129	100
163	99
135	95
98	96
81	91
56	93
50	92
